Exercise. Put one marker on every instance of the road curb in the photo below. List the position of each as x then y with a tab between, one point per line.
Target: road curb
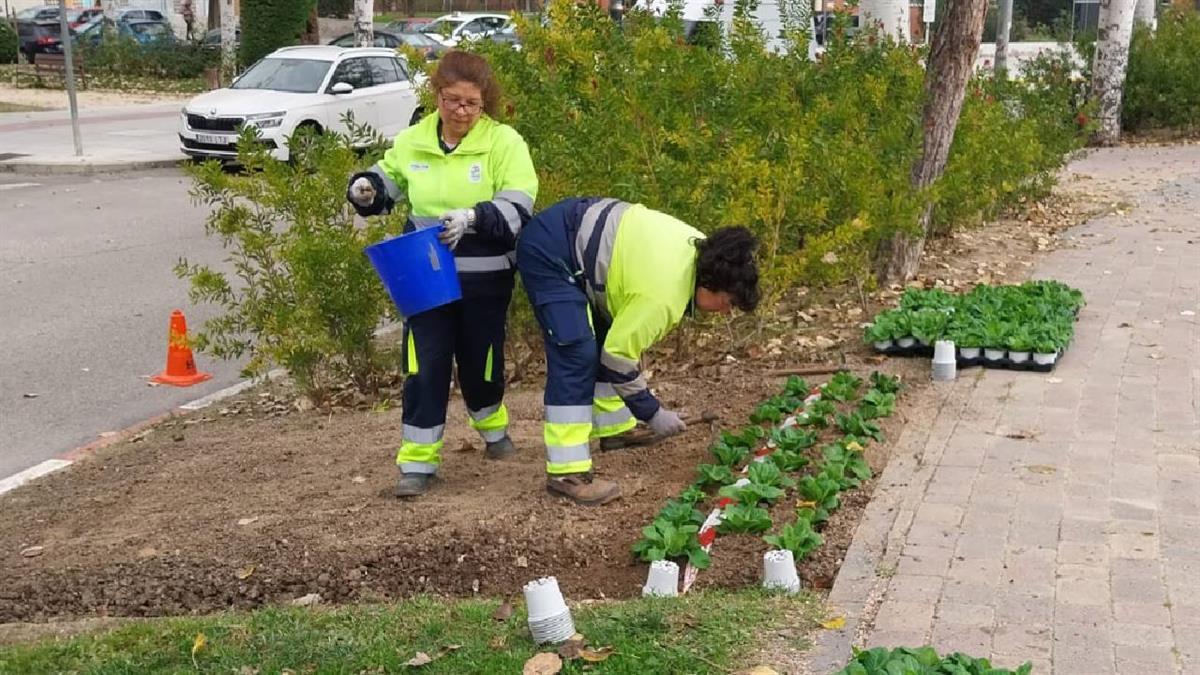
56	168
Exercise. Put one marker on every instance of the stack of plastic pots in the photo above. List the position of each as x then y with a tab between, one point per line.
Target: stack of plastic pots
779	571
549	618
663	580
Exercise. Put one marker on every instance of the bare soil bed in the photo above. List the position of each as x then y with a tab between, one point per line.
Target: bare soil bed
213	511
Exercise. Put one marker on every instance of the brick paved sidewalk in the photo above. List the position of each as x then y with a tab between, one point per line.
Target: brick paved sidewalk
1056	518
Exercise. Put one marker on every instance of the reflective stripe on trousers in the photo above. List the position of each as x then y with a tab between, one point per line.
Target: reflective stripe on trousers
420	451
610	417
567	431
491	422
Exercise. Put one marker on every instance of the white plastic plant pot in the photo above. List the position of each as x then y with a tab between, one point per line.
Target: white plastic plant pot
993	354
969	353
945	365
663	580
883	345
1018	357
1045	359
544	599
779	572
906	342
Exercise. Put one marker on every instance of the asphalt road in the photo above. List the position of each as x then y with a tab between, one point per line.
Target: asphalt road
86	293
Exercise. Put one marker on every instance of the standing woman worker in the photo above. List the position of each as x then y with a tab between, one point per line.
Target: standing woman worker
470	175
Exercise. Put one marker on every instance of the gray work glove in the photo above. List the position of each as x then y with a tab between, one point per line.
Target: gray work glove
362	192
666	423
455	224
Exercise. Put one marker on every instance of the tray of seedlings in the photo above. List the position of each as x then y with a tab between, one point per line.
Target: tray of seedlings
1020	327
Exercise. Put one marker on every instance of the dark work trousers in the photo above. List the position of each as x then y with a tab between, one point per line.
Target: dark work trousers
469	333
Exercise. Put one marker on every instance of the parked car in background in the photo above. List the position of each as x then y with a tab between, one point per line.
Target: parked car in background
213	38
36	14
77	18
140	31
507	36
409	25
39	37
301	88
428	46
451	29
140	15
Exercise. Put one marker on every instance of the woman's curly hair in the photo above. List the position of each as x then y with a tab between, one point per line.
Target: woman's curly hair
726	263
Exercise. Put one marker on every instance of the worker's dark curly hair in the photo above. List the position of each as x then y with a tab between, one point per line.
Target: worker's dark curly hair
726	263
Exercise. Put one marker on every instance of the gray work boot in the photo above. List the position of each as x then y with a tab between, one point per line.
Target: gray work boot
413	484
501	449
583	488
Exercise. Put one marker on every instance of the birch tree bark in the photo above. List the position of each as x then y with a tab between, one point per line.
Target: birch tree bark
229	26
1003	32
1145	13
949	68
892	14
364	23
1109	66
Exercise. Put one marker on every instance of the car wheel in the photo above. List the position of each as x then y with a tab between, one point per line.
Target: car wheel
416	116
302	139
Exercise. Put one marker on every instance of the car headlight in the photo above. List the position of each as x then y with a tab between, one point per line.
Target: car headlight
265	120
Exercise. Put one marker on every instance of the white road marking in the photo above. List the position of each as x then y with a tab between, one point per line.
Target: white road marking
18	479
14	186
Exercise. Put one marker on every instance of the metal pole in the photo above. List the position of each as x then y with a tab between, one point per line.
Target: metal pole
1003	29
69	64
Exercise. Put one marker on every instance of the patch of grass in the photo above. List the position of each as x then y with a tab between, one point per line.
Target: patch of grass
701	632
6	107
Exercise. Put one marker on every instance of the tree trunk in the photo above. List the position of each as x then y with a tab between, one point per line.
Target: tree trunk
229	26
1003	32
364	23
312	30
110	18
892	15
1108	69
951	62
1145	14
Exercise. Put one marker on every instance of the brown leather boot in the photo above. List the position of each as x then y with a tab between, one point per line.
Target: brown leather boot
610	443
583	488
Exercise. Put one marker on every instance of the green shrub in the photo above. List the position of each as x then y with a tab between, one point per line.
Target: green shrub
268	25
9	43
301	293
1162	86
124	57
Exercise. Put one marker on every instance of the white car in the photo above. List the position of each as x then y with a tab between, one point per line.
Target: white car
451	29
295	87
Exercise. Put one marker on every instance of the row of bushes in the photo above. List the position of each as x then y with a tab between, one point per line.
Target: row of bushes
10	44
123	57
1162	85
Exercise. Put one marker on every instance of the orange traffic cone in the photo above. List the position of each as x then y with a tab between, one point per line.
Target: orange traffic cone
181	367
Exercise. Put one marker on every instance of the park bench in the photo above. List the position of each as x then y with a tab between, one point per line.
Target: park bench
56	64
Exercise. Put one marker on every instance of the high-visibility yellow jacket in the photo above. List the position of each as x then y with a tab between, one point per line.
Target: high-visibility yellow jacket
639	269
489	170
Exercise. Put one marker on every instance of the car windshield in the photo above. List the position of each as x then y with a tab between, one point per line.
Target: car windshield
149	29
32	13
443	27
301	76
417	39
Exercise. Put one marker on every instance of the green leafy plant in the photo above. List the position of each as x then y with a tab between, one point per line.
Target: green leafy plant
793	439
929	325
679	512
789	461
796	387
798	537
817	414
1020	340
767	473
9	42
752	493
854	467
766	412
694	494
820	495
921	661
916	299
842	387
750	437
268	25
855	425
663	540
876	404
729	455
888	384
1161	90
881	330
714	474
744	519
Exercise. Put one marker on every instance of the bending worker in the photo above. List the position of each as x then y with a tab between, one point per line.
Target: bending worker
607	280
472	176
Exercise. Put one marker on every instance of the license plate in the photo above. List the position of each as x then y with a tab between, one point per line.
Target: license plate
216	140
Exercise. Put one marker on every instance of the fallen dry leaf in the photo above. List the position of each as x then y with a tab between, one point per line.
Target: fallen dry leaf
1043	469
571	648
419	660
759	670
504	612
307	600
31	395
545	663
596	655
498	642
197	646
33	551
836	623
247	521
358	479
245	572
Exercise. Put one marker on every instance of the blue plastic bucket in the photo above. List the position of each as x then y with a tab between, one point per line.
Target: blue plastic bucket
418	271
